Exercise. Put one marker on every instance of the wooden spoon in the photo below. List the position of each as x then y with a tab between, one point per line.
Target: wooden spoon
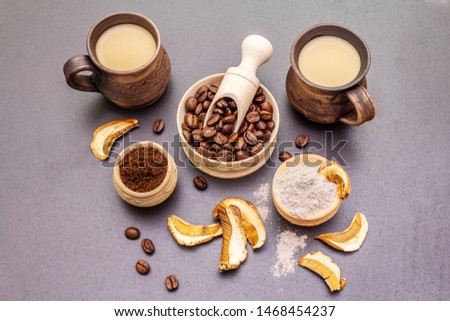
240	83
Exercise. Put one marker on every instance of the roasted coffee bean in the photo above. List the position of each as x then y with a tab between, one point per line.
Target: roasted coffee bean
190	104
301	140
220	138
147	246
253	117
213	88
266	106
228	111
215	148
206	105
266	115
201	94
270	125
232	104
200	182
256	149
188	136
185	127
253	107
204	152
259	134
225	102
132	233
230	119
250	138
232	138
259	99
259	91
224	155
218	111
197	135
261	125
205	145
242	154
213	120
201	118
171	283
158	126
209	131
198	109
210	96
227	129
191	120
266	136
243	128
219	125
219	103
142	267
240	144
284	156
251	127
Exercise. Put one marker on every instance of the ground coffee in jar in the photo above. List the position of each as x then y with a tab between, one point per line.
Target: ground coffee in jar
143	169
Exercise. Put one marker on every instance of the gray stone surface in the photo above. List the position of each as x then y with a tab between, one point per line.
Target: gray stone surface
62	224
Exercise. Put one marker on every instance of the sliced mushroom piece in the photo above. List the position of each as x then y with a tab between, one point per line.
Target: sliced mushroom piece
190	235
105	135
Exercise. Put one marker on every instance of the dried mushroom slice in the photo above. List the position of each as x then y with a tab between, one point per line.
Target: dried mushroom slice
105	135
234	243
351	239
325	267
190	235
251	221
334	172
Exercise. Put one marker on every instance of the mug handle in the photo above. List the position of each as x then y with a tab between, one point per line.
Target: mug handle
363	104
74	66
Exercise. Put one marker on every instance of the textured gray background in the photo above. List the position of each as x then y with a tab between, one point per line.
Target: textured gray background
61	227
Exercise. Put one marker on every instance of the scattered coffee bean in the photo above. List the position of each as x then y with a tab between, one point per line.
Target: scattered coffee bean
132	233
171	283
142	267
223	143
158	126
284	156
301	140
200	182
147	246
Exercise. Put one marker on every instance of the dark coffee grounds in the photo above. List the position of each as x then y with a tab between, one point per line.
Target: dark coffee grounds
143	169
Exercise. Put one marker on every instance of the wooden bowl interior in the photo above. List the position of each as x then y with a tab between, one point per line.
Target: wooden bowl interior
316	218
226	169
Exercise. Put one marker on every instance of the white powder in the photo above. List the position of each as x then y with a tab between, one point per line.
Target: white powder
262	196
288	245
303	192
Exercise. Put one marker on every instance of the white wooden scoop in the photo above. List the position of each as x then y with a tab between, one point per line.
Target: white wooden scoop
240	83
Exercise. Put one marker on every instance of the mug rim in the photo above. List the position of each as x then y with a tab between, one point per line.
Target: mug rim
91	50
296	69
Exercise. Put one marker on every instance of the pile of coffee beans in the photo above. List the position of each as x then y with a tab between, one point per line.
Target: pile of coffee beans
216	140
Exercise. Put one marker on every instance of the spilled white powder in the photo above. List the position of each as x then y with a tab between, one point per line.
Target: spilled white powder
303	192
262	197
289	245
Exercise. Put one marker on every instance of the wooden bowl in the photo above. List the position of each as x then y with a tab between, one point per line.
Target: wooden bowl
315	218
226	170
154	197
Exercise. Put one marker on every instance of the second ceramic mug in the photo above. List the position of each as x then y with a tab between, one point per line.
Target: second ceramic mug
134	88
351	104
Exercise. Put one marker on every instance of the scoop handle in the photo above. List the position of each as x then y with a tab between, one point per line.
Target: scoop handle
256	51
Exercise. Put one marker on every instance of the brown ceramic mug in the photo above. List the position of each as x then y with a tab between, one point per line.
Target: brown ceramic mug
134	88
350	104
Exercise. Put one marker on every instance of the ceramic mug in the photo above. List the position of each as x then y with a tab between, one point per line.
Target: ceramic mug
134	88
351	104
